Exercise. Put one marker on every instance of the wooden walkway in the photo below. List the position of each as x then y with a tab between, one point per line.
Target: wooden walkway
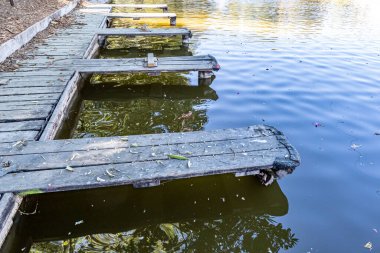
143	160
163	7
203	63
28	98
133	15
27	101
133	32
35	98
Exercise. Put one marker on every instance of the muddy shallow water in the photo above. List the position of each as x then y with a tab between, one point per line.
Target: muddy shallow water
308	67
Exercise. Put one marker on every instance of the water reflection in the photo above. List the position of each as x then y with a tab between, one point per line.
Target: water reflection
109	110
217	214
140	46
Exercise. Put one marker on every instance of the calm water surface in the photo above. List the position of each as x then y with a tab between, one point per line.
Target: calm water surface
311	68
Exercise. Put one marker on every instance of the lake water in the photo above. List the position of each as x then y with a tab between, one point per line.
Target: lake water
311	68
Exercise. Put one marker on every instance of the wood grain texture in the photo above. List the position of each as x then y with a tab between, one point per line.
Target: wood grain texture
164	64
9	204
143	159
135	6
131	32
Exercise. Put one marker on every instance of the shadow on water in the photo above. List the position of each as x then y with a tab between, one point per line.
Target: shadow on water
128	104
213	214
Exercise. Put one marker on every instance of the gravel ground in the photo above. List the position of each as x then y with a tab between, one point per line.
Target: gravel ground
25	13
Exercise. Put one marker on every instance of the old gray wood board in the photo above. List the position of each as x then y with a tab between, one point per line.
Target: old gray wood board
22	125
165	64
130	15
34	90
142	160
9	204
31	97
14	136
131	32
35	113
136	6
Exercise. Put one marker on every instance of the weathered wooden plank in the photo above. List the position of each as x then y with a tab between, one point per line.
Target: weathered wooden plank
69	96
9	204
15	136
117	155
165	64
129	15
135	6
17	105
132	32
40	113
138	173
31	97
6	91
41	73
35	125
33	81
148	140
27	108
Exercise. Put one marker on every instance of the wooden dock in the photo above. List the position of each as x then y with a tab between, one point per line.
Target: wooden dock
163	7
143	160
133	15
133	32
203	63
36	98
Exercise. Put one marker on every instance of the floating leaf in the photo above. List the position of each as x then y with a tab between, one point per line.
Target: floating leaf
178	157
109	173
368	245
169	230
30	192
68	168
355	146
79	222
99	179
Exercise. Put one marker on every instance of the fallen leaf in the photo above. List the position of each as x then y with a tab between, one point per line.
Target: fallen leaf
368	245
78	222
68	168
186	115
99	179
109	173
30	192
355	146
178	157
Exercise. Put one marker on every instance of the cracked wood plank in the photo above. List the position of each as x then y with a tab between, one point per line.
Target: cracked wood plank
143	159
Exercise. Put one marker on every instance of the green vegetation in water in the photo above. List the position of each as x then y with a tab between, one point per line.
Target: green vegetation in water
178	157
30	192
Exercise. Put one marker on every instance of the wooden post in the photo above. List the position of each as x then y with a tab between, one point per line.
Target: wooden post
205	78
173	21
185	39
102	41
108	22
151	61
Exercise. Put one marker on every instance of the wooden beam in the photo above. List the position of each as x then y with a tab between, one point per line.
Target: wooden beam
135	16
164	7
132	32
133	65
143	160
9	204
